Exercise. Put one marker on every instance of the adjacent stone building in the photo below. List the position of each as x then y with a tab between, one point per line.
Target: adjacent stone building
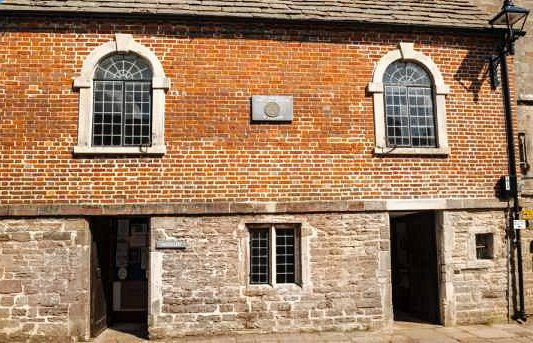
524	101
233	167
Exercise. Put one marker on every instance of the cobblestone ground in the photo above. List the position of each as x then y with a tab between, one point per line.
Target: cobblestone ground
402	333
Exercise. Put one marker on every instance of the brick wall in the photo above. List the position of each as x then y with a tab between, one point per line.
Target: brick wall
44	285
214	152
524	83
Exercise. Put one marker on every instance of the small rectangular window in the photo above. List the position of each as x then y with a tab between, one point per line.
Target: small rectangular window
274	254
484	246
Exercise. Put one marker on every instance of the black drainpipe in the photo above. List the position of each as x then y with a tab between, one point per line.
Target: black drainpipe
515	213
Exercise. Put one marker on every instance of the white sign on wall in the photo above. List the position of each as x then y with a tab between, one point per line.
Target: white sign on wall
170	244
519	224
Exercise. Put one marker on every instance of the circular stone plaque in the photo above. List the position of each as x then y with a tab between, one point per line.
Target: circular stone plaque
272	109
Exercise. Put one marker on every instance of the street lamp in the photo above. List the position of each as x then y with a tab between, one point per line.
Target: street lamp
510	17
514	19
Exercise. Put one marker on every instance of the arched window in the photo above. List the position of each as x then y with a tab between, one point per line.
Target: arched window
122	88
409	104
122	114
409	112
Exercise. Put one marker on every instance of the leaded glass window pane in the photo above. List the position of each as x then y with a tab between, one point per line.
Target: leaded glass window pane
285	256
259	256
137	113
409	110
107	119
122	113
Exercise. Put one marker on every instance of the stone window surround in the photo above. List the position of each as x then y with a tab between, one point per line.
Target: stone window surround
406	53
306	232
122	43
472	261
273	258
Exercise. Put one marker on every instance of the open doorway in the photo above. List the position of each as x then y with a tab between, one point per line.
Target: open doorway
119	270
415	284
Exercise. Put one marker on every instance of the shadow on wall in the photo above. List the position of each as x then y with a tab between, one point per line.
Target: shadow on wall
472	73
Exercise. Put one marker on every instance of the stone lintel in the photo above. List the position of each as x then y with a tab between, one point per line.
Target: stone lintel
218	208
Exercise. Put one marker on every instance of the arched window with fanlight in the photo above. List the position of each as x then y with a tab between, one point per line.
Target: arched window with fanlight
409	110
122	113
122	88
409	104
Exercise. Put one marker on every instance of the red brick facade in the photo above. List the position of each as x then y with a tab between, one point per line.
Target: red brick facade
214	152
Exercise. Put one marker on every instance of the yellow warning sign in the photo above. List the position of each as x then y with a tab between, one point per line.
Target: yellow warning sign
527	213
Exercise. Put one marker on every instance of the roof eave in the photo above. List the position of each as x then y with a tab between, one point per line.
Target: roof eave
458	29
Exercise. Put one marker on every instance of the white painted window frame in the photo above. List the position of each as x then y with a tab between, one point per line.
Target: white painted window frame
406	53
123	43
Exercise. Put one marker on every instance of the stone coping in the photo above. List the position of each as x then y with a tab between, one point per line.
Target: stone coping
227	208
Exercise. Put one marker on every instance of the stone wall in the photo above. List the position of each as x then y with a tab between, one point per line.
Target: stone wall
44	285
478	287
204	289
527	257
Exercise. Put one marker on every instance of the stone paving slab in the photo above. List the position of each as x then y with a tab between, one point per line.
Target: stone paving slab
401	333
455	333
488	332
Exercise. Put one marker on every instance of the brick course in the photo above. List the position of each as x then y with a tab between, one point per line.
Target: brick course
214	152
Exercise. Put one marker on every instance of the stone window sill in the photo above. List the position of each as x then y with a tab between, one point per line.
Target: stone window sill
277	286
288	286
480	264
444	151
152	150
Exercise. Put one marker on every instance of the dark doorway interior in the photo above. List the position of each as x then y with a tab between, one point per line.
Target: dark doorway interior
415	287
119	265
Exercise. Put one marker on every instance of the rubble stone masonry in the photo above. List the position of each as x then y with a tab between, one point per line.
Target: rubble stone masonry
44	279
204	288
478	292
